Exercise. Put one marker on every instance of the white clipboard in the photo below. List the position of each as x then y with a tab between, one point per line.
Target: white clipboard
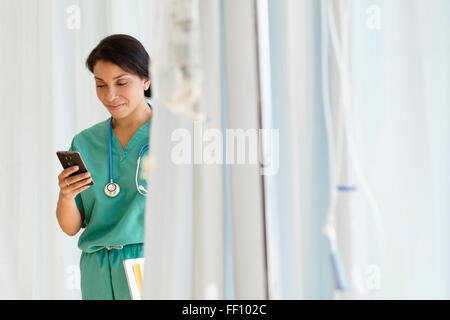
134	270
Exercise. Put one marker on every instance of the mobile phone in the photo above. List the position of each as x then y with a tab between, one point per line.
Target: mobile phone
72	158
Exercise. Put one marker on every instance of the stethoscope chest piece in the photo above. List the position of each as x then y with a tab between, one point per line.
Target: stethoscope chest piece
112	189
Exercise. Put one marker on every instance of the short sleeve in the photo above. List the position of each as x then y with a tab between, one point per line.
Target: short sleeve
78	199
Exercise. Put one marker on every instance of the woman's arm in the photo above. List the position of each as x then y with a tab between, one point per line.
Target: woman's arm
69	217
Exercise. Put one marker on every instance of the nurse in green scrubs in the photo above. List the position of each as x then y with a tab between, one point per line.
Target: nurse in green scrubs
113	226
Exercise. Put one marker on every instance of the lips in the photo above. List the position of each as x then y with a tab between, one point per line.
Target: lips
116	107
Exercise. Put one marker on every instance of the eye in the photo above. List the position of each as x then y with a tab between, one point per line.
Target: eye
120	84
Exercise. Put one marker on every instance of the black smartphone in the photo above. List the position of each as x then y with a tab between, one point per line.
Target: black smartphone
72	158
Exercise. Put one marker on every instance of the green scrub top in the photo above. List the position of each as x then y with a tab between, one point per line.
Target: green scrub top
111	221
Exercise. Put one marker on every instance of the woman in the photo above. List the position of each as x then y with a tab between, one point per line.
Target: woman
113	222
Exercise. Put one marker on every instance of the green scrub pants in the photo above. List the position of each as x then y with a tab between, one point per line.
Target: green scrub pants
103	274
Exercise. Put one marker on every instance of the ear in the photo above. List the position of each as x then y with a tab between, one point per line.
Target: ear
146	84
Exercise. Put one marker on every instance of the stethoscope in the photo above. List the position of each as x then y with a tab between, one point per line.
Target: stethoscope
112	189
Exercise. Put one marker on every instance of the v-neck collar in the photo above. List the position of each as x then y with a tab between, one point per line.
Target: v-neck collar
132	142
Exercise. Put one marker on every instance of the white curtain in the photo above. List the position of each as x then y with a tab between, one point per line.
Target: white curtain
32	246
207	232
397	61
400	79
204	220
301	183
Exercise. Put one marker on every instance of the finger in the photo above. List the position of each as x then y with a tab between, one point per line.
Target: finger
69	171
63	183
78	177
82	189
74	191
64	186
80	184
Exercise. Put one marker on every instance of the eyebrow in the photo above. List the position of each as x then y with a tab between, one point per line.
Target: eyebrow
123	74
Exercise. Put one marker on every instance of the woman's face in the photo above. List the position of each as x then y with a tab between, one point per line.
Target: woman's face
119	91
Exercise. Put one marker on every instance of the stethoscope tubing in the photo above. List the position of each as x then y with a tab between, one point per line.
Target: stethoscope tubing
141	151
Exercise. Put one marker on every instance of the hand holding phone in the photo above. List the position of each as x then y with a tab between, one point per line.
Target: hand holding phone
75	177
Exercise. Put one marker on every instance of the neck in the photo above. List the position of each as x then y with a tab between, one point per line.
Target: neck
137	118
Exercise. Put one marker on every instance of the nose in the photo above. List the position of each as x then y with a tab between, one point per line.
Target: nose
110	94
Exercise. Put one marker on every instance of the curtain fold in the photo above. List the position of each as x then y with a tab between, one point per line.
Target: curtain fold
184	250
381	117
30	240
201	273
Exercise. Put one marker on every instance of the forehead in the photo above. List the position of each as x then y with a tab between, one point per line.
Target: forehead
105	70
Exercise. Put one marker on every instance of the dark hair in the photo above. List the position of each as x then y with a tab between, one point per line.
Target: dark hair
124	51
